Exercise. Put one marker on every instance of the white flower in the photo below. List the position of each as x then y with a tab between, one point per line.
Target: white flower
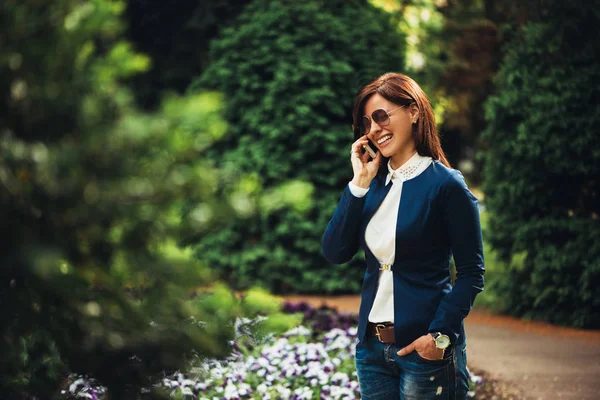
339	343
340	378
303	393
170	383
187	391
244	389
476	378
335	332
342	393
298	331
230	392
74	385
262	388
283	391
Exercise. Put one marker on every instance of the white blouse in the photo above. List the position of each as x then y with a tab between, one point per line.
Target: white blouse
380	234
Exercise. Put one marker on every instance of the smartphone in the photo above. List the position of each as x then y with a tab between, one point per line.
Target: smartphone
370	148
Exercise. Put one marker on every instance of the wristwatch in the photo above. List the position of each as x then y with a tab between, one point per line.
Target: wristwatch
441	341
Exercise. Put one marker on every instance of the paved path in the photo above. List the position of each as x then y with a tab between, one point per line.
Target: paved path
542	361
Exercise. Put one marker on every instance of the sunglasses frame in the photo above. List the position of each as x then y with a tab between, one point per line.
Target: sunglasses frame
388	113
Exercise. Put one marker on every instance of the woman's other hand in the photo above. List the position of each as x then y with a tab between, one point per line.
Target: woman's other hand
425	346
364	167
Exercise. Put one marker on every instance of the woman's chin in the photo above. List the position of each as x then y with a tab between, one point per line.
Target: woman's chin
385	152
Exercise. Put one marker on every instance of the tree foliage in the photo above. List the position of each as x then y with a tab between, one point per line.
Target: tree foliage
541	167
175	35
91	192
290	71
454	51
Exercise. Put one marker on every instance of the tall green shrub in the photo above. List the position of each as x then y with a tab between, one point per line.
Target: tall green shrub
541	166
290	71
91	192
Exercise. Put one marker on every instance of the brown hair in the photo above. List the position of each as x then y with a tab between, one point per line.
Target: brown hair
402	90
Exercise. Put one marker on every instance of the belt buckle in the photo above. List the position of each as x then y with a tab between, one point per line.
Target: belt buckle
377	331
385	267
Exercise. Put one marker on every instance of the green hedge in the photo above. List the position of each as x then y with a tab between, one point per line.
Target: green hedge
290	71
541	167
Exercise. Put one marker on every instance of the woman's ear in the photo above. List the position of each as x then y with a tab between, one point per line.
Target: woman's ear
414	113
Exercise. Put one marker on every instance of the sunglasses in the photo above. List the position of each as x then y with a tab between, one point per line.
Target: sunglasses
381	116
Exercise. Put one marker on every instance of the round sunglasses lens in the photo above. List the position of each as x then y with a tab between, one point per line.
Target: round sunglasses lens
366	125
381	117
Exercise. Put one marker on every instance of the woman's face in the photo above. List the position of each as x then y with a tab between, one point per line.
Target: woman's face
395	137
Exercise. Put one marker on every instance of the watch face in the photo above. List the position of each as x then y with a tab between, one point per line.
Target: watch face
442	341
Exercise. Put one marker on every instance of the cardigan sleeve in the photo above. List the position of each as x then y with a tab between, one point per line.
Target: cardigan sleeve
461	216
341	238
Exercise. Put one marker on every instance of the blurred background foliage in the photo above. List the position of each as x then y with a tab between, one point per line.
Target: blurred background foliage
541	166
176	35
148	149
93	277
289	71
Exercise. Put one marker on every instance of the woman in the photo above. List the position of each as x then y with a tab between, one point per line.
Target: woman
410	212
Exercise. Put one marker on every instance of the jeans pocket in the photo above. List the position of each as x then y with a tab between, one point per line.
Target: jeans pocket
447	358
361	349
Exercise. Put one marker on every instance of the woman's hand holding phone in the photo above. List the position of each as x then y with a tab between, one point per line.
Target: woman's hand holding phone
364	166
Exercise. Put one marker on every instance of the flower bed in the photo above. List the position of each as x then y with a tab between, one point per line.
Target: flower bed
312	361
289	367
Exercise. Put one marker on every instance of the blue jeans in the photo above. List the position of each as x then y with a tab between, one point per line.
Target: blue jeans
384	375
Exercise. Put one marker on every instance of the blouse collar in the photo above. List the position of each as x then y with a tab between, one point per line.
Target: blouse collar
410	169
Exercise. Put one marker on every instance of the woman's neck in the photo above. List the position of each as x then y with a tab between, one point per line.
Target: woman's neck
397	160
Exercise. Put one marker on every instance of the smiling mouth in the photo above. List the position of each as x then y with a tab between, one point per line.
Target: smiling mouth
384	140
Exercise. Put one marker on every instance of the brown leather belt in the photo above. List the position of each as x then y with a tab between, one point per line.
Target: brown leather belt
384	332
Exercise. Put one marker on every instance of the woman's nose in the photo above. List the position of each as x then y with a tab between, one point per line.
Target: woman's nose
375	129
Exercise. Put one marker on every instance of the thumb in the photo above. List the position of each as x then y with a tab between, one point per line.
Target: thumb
407	350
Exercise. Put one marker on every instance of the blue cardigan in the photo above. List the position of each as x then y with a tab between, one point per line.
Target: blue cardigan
438	217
